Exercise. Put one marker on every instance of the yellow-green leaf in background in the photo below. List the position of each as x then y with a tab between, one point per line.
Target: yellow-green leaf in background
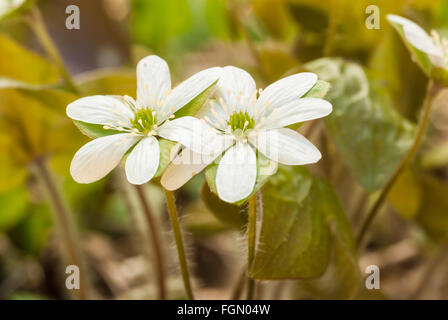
200	221
118	82
17	62
433	213
406	194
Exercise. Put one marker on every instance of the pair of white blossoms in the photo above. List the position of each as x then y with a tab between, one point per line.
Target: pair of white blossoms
238	120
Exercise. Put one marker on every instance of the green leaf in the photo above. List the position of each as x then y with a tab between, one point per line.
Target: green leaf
93	131
265	168
14	203
10	8
341	279
19	63
294	242
168	149
302	218
229	214
195	105
370	135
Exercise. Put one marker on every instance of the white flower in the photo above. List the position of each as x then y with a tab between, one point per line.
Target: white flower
244	119
432	44
135	123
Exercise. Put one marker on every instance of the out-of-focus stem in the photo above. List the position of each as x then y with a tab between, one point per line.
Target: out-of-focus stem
174	219
37	24
155	242
251	235
66	226
235	12
432	91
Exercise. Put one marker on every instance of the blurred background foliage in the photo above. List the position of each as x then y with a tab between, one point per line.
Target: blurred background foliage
310	215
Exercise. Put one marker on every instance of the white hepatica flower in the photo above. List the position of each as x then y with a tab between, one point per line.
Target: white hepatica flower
135	123
432	44
239	123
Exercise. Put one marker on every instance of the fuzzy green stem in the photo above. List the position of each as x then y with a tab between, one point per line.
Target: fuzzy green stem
37	24
251	235
155	242
66	226
432	92
172	211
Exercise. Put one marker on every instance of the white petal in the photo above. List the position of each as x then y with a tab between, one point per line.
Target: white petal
285	146
153	81
100	110
296	111
283	92
190	89
143	161
418	37
237	88
184	167
193	134
100	156
237	172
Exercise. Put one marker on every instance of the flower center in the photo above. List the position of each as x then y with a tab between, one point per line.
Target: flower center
145	120
240	122
441	44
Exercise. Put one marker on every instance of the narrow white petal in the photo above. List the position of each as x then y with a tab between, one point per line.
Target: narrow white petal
237	88
100	156
285	146
190	89
193	134
143	161
100	110
237	172
296	111
184	167
153	81
417	37
283	92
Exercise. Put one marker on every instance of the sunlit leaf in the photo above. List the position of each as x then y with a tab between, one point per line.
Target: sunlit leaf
108	81
369	134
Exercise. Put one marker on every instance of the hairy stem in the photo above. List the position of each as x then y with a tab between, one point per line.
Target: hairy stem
155	242
174	219
66	226
251	235
432	91
37	24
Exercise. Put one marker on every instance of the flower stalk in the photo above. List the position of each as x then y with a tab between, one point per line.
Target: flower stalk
37	24
432	91
174	219
65	224
155	242
251	236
